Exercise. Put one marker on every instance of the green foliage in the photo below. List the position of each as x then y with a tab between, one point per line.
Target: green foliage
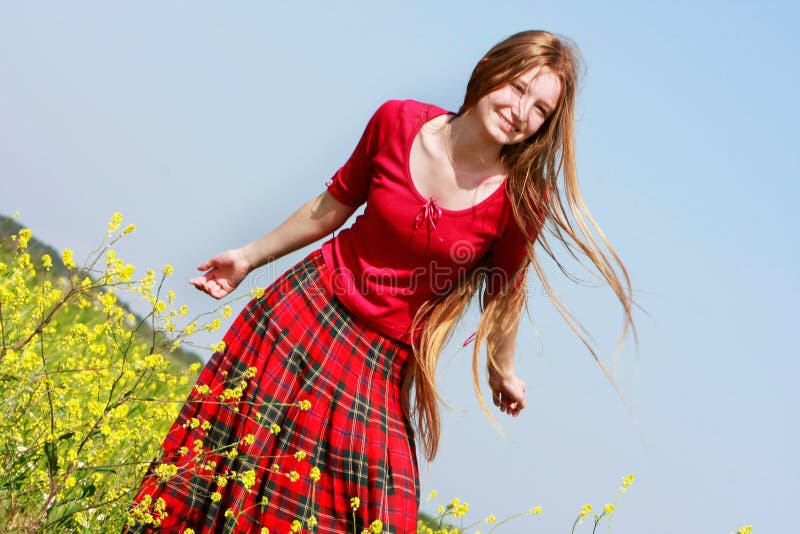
88	388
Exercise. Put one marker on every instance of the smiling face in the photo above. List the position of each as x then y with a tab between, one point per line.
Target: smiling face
515	111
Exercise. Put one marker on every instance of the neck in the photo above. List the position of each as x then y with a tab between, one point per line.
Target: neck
469	149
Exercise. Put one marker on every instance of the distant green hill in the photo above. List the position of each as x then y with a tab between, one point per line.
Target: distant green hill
8	227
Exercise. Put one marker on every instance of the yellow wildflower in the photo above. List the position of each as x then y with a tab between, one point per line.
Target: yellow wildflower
355	502
433	494
296	526
66	258
312	522
305	405
114	223
248	479
587	508
315	474
210	465
376	527
129	229
257	292
164	472
294	476
274	428
227	311
249	439
216	496
461	510
626	483
231	393
491	519
608	509
168	270
47	261
536	510
264	530
300	455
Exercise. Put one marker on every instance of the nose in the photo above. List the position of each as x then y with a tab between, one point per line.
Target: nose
522	110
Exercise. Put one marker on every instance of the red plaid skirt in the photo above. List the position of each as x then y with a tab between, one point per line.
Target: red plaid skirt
296	426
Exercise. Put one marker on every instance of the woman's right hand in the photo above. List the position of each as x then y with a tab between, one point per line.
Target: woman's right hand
225	272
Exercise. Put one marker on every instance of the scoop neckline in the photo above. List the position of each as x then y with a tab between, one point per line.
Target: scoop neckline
437	112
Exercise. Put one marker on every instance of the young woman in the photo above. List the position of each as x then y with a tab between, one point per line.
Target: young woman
304	421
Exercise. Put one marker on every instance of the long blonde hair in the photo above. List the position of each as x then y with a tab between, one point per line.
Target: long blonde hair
533	168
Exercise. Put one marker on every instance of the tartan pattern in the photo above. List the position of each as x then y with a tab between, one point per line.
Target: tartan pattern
296	342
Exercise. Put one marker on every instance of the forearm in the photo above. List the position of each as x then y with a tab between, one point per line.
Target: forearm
504	350
508	390
312	221
502	347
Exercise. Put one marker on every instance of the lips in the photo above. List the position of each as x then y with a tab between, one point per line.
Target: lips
506	124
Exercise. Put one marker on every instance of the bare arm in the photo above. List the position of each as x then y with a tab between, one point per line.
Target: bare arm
508	390
316	218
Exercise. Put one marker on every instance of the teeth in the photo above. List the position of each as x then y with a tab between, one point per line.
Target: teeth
511	126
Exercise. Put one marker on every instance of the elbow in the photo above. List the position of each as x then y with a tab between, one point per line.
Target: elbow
326	214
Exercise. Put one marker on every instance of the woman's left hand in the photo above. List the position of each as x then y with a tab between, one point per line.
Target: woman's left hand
508	391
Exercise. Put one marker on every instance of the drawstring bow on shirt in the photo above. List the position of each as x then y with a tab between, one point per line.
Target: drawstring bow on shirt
430	212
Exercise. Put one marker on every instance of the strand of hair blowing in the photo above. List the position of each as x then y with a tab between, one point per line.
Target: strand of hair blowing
533	169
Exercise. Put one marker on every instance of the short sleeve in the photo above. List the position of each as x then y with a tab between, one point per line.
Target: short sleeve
508	252
350	184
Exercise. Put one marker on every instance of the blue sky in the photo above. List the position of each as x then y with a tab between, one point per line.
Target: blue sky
206	124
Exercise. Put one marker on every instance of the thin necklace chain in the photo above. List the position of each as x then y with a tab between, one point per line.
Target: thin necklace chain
448	129
448	152
447	133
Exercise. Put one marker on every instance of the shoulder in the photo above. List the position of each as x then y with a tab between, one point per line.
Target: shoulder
408	109
395	119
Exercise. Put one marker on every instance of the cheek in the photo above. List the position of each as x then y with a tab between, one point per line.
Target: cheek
534	123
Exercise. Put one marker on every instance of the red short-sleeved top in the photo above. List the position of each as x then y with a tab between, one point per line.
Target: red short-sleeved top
404	249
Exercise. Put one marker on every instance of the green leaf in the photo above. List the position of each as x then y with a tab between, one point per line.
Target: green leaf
51	453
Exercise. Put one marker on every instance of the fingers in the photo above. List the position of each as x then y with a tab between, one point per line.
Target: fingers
209	286
511	399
